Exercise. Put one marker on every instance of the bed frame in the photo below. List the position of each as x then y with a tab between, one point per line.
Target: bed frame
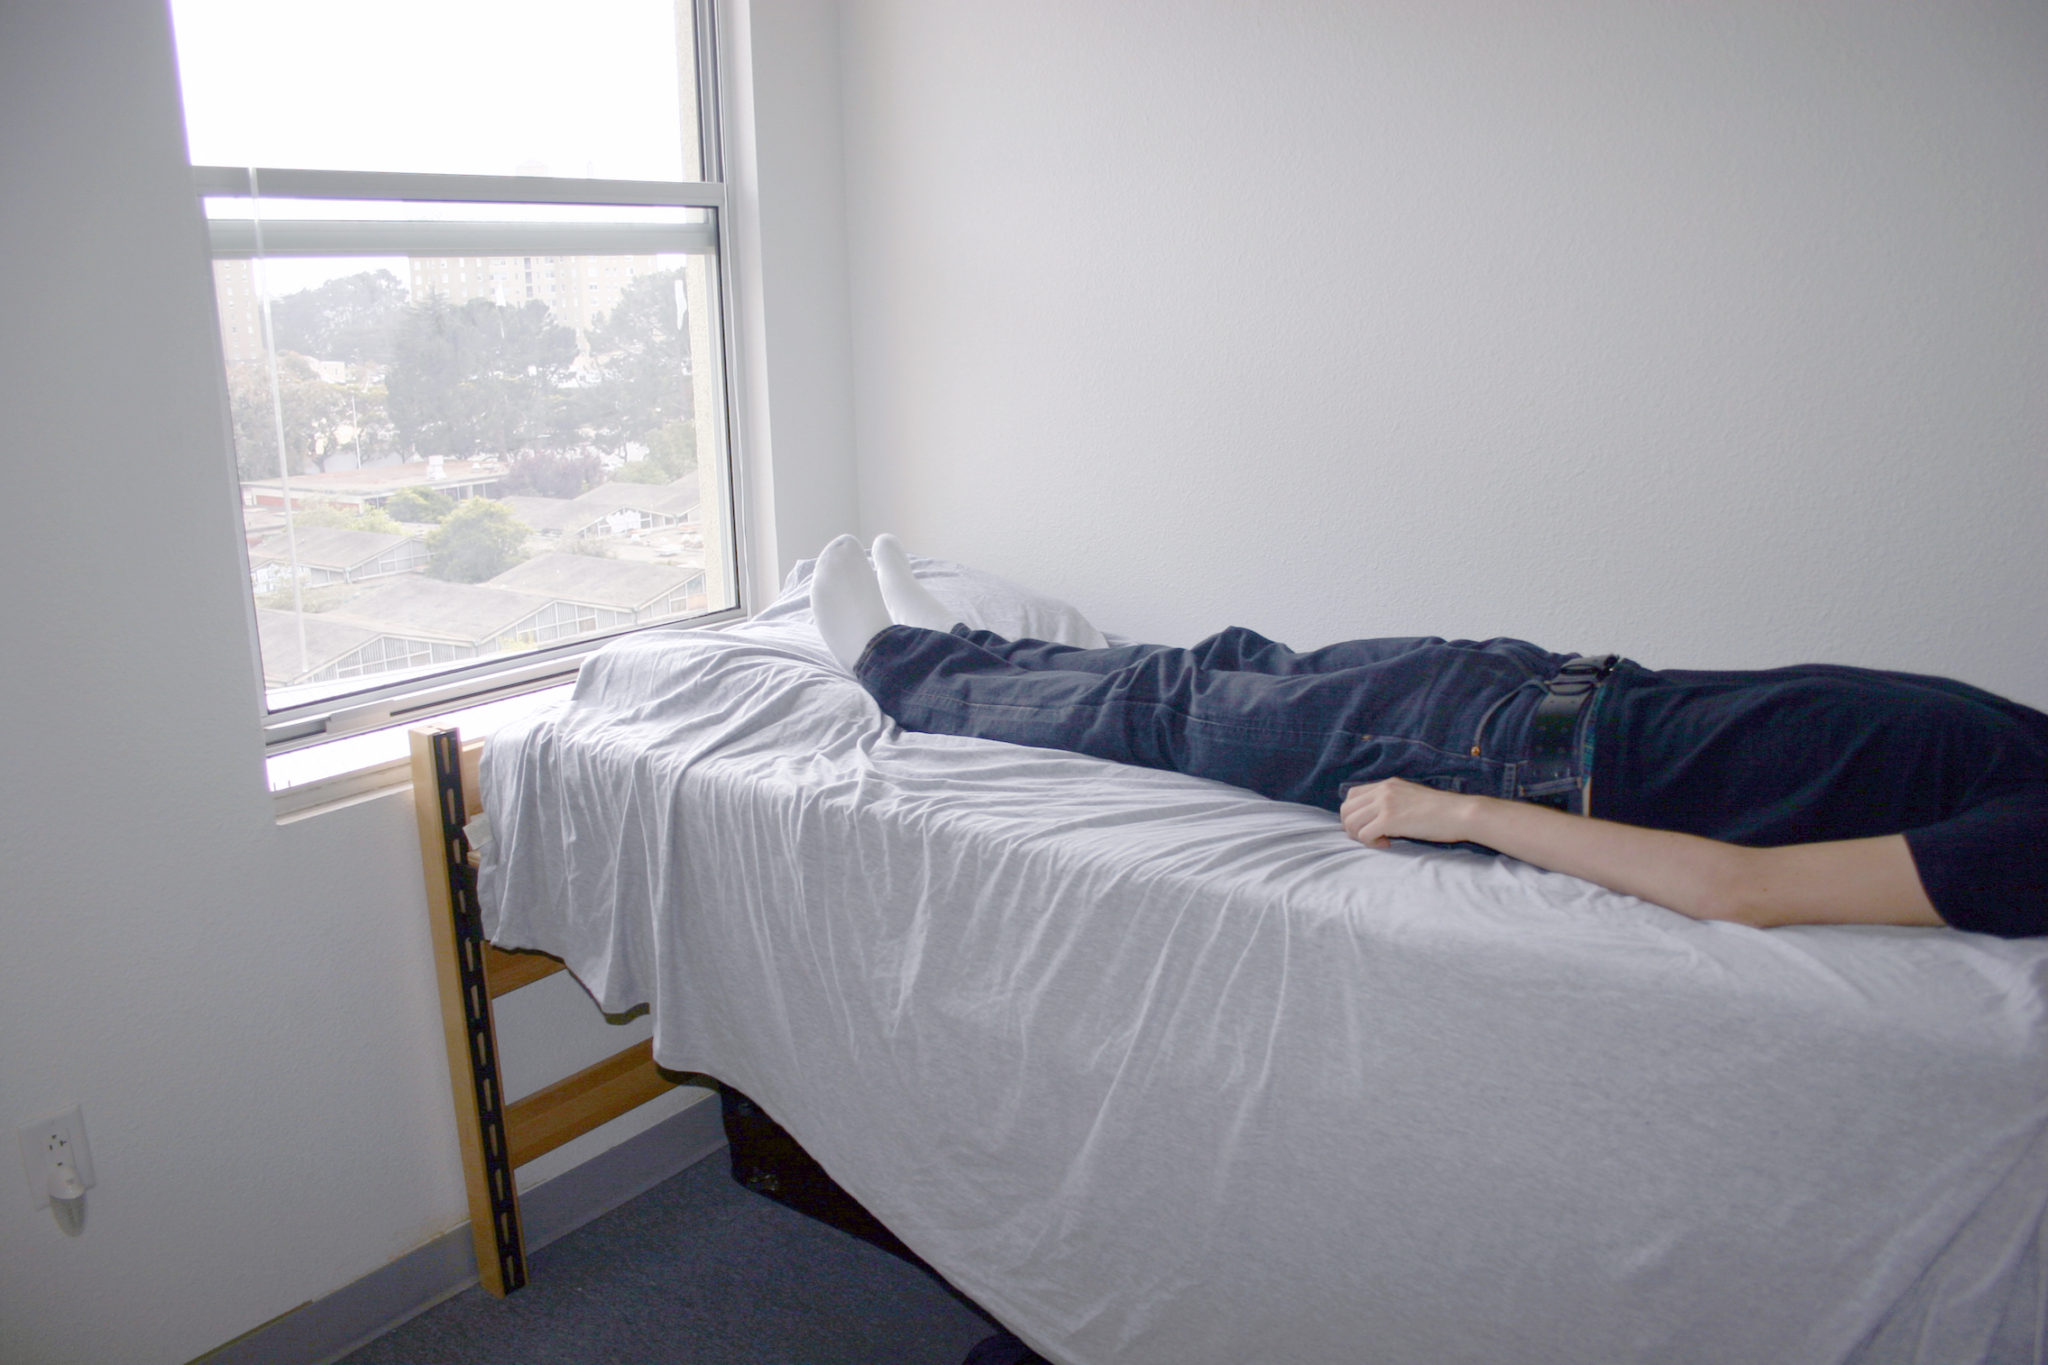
497	1138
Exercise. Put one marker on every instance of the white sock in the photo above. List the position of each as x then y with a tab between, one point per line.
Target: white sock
846	601
910	602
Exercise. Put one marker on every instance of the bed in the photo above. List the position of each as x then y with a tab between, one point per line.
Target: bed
1155	1070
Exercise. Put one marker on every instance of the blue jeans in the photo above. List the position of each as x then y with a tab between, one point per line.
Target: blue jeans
1237	708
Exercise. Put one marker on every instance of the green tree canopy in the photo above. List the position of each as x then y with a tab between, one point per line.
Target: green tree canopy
477	378
313	413
480	539
671	453
641	349
355	318
418	504
341	519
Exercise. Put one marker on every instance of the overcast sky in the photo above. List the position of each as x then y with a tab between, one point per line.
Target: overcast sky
485	87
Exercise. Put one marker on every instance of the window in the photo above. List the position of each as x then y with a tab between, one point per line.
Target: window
471	314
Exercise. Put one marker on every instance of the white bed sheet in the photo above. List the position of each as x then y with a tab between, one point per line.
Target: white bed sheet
1160	1071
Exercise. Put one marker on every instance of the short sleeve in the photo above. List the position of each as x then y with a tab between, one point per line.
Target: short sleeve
1986	870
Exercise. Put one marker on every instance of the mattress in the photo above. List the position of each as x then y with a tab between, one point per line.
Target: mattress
1156	1070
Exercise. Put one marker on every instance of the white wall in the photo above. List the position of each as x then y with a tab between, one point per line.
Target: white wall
245	1010
1709	333
790	245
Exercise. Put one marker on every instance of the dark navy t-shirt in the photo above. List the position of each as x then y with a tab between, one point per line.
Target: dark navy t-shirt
1819	752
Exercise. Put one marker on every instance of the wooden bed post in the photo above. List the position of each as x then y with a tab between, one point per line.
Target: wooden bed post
497	1137
441	807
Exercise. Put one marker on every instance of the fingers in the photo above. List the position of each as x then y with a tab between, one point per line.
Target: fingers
1376	812
1365	812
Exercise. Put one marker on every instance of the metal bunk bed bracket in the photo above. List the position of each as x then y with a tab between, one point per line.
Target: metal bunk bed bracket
439	803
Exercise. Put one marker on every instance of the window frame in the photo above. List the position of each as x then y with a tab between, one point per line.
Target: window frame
495	677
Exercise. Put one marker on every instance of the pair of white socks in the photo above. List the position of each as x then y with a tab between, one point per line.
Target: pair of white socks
854	603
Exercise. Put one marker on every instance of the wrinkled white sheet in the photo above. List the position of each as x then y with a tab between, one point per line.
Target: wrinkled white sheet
1160	1071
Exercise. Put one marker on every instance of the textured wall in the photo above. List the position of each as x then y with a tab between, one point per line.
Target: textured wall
1708	333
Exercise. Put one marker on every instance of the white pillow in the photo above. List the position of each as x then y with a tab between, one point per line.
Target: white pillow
983	601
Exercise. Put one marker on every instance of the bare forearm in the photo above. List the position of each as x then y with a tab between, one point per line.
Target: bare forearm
1847	881
1692	876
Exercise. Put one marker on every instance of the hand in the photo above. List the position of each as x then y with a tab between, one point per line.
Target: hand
1395	808
1844	881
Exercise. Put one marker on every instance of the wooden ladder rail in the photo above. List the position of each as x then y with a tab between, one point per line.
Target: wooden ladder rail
496	1137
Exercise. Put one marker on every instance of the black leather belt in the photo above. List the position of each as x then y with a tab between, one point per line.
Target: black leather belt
1554	732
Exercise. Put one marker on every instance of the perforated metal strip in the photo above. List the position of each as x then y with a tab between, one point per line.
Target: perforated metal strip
476	1011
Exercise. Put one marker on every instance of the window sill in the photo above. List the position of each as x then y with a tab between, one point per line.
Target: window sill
310	781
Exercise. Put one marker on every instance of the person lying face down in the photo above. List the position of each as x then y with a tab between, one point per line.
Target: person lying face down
1820	794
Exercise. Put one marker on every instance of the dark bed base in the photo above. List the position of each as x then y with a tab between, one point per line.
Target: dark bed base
768	1161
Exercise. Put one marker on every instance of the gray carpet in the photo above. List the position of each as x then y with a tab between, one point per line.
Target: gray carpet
697	1270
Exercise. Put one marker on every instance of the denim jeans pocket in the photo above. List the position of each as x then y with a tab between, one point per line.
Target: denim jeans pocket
1426	765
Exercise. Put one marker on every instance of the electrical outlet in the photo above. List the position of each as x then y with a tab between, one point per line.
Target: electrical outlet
50	1146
